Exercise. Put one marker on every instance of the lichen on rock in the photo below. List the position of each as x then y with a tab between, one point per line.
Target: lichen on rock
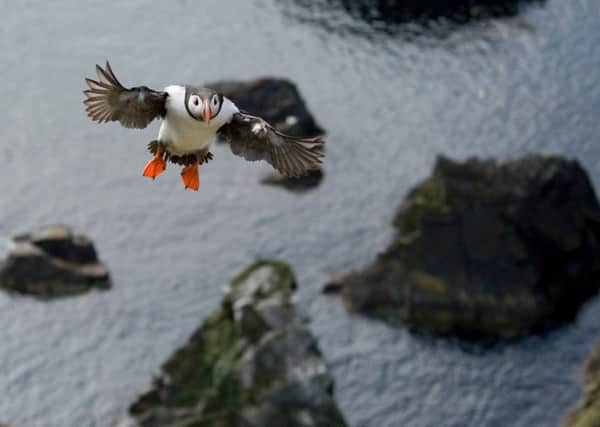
252	363
487	248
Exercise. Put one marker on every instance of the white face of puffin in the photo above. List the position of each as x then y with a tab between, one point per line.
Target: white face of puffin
204	108
203	104
191	106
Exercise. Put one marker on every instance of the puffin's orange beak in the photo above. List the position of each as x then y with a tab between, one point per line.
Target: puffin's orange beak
207	112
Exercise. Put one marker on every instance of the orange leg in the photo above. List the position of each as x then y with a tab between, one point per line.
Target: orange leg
155	166
191	177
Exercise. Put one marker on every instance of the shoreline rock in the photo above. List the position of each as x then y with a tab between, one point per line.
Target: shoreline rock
252	363
487	249
52	261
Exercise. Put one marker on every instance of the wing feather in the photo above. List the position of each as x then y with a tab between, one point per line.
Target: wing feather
108	100
254	139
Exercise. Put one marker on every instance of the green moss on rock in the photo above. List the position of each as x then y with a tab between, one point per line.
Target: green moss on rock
427	199
281	278
201	370
244	357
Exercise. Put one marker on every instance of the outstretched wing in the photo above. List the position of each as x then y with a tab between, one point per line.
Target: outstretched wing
254	139
107	100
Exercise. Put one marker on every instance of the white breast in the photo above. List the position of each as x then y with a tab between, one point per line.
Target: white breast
182	133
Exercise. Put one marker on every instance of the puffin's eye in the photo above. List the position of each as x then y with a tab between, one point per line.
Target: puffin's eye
195	100
215	101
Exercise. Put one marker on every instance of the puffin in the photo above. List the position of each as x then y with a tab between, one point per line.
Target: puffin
193	118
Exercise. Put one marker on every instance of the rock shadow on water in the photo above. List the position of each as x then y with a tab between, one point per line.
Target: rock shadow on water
486	249
435	17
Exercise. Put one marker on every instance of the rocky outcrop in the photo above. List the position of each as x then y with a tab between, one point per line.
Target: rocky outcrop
487	248
52	261
278	101
252	363
587	411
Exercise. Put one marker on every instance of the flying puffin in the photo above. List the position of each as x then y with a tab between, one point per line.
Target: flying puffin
192	119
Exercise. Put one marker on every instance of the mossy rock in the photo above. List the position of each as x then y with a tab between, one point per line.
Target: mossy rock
487	248
234	369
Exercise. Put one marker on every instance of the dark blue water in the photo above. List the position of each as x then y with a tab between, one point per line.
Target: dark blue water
390	100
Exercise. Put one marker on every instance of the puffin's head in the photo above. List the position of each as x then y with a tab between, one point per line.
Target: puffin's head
202	104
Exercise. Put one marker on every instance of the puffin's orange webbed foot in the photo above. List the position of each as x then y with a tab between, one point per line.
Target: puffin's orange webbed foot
191	177
155	166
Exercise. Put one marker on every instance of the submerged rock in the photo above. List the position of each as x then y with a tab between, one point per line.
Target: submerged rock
487	248
252	363
52	261
587	411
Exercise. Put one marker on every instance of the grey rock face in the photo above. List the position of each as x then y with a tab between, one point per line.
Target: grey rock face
487	248
52	261
252	363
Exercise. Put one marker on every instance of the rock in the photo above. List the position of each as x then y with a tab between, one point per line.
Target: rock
486	248
587	411
278	102
252	363
52	261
